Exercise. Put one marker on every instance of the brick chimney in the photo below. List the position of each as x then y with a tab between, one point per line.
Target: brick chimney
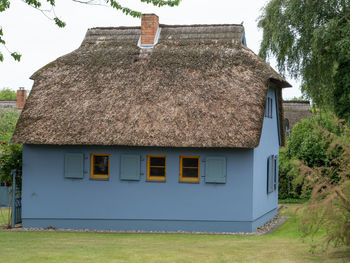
21	98
149	28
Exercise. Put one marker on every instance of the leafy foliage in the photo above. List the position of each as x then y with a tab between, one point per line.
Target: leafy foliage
8	120
50	13
312	40
288	171
10	159
329	209
7	94
315	144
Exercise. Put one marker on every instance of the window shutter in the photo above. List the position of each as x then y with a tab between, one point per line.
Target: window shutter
74	165
270	173
130	167
275	175
215	170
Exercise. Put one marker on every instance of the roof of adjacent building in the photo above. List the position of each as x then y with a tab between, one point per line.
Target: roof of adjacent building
295	111
198	87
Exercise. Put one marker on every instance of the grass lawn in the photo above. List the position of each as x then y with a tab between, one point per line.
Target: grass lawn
284	245
4	214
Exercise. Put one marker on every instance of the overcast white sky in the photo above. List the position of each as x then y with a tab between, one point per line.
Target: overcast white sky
40	41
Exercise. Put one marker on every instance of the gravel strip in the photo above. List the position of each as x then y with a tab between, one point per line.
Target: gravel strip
265	229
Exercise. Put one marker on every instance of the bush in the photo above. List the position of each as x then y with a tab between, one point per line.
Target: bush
8	120
10	159
288	171
329	210
315	144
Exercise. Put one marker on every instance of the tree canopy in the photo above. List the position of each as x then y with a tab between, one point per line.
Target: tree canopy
50	13
311	40
7	94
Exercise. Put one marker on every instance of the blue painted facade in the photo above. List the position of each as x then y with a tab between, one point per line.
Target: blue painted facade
4	196
240	204
263	203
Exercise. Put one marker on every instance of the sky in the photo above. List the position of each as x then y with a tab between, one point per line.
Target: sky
30	33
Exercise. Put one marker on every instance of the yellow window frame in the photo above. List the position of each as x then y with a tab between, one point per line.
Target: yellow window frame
187	179
155	178
98	176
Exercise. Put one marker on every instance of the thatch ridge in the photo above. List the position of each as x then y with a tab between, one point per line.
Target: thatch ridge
205	93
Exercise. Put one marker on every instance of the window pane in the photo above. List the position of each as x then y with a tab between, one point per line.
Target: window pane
157	161
101	160
101	165
190	162
155	171
101	170
190	172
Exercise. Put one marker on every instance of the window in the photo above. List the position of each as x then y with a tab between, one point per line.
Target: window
189	168
268	108
99	166
272	173
156	167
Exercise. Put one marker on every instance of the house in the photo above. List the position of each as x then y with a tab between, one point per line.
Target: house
153	128
294	111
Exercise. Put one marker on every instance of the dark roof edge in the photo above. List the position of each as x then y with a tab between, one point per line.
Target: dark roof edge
281	84
164	26
297	101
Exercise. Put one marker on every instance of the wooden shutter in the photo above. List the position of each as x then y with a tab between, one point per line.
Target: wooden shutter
275	174
215	170
130	167
270	173
74	165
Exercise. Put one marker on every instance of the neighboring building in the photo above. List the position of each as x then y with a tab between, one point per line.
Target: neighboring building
153	128
295	111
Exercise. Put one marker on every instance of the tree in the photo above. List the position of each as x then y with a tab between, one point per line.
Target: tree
8	120
7	94
310	39
50	13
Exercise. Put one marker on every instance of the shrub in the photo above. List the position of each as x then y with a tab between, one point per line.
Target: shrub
315	144
288	171
10	159
329	210
8	120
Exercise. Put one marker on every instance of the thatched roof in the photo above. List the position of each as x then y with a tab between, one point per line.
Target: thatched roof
198	87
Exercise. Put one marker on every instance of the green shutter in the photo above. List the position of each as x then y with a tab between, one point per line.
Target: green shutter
130	167
74	165
270	173
215	170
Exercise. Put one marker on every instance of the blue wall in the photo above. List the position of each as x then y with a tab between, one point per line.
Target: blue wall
241	204
269	144
4	196
47	195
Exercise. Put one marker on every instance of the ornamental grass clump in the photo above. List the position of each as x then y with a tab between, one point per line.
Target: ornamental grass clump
328	210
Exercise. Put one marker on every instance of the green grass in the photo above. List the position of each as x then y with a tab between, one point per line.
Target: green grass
292	201
284	245
4	214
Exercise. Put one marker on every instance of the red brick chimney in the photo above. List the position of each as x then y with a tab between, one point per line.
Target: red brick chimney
149	28
21	98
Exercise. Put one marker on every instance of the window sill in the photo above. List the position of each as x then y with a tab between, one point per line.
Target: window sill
155	181
99	179
189	182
